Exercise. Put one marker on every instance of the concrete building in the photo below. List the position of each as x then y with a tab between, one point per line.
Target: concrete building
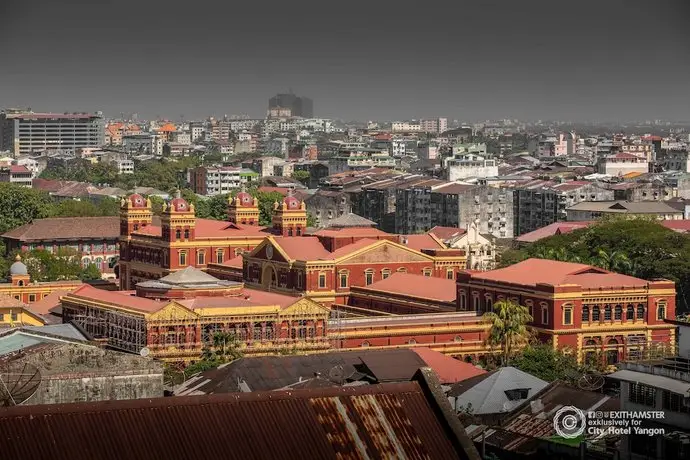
427	151
364	158
298	106
124	166
466	166
71	369
405	127
539	203
16	174
220	180
420	207
145	143
592	210
434	125
26	132
620	164
656	383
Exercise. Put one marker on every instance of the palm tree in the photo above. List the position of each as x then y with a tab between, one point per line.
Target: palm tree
508	326
226	345
616	261
561	254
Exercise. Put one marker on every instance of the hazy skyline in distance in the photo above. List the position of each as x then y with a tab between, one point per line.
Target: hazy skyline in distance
466	60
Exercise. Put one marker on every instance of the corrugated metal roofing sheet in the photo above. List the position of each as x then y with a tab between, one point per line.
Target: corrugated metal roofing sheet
382	421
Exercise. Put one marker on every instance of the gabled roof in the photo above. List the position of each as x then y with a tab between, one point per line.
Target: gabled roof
190	277
557	228
423	241
486	393
350	220
446	233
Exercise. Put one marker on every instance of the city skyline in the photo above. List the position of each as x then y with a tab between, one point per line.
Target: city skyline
619	61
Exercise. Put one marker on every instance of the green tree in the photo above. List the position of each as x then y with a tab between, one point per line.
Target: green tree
224	347
61	265
508	326
21	205
302	176
615	261
311	221
266	201
90	272
547	363
511	256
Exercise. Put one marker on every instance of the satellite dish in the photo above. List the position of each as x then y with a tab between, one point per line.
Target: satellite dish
144	352
18	382
336	374
591	382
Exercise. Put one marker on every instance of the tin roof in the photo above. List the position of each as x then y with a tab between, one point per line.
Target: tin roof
402	420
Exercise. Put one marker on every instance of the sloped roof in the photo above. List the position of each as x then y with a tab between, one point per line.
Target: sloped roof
67	228
446	233
350	220
448	369
420	286
190	277
406	420
485	394
423	241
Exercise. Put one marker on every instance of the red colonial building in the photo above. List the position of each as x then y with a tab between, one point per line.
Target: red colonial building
580	307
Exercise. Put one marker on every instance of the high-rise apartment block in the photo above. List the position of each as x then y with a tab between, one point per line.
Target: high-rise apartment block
434	125
27	132
298	106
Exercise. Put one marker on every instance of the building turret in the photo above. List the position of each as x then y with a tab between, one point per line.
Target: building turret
290	216
135	213
243	209
19	274
178	220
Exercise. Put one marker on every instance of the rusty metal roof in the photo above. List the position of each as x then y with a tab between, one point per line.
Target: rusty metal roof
397	420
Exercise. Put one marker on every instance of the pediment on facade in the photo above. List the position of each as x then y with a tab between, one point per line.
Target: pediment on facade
268	250
385	251
306	306
173	311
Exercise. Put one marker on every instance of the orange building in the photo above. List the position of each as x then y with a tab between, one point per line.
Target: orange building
322	265
149	251
580	307
176	316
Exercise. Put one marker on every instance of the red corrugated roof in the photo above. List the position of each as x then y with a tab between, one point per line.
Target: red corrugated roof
125	299
424	241
374	421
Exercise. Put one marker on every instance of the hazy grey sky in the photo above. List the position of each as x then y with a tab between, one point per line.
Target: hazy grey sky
584	59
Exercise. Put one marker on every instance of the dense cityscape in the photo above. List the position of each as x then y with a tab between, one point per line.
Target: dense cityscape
529	265
347	231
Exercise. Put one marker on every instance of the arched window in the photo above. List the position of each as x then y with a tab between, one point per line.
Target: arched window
365	344
385	273
640	311
544	314
219	256
463	301
402	270
476	303
426	272
585	313
596	313
629	313
661	311
618	313
529	305
450	274
457	339
186	234
590	343
178	234
20	283
489	303
200	258
607	313
412	341
183	258
343	278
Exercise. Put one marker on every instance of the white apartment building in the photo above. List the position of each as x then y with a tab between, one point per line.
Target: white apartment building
196	131
32	165
405	127
351	160
124	166
181	137
621	164
222	180
470	165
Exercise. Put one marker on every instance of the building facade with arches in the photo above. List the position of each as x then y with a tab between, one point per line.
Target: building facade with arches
596	313
175	318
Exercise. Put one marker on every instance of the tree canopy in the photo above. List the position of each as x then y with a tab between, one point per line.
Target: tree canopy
638	247
508	326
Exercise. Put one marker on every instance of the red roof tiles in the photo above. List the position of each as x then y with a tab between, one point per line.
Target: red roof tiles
67	228
420	286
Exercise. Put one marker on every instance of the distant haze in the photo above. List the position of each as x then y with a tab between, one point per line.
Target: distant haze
535	59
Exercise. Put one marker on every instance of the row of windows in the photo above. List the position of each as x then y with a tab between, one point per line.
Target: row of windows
568	310
13	317
201	256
